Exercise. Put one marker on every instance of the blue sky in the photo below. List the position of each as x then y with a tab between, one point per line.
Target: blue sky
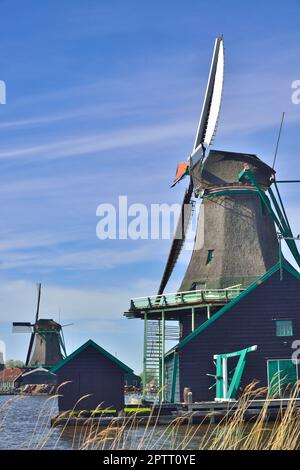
103	99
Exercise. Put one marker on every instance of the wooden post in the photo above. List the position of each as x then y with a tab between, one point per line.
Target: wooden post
174	377
163	355
208	311
193	319
145	357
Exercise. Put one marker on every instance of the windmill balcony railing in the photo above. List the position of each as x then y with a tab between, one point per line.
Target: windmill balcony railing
203	296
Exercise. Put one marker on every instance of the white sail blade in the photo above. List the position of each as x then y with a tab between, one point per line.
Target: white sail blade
216	98
22	327
213	97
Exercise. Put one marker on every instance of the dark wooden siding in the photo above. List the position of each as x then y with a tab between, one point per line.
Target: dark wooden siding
90	372
251	321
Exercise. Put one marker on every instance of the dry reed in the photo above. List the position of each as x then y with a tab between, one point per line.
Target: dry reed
235	431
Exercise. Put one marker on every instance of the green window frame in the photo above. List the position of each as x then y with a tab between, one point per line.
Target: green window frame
284	328
210	256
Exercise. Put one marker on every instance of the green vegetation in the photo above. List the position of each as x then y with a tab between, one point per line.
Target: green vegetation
137	410
11	363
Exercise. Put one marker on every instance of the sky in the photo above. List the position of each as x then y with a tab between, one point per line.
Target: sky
103	99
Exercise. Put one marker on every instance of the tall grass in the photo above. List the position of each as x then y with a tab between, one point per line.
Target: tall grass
234	431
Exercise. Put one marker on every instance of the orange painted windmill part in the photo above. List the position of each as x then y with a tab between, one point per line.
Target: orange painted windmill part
183	169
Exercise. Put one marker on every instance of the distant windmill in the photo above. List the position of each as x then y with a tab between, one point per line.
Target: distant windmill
46	345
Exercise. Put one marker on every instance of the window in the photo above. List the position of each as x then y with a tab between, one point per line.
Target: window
210	256
284	328
198	286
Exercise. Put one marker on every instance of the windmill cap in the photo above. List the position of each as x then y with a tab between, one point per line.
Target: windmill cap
223	167
47	323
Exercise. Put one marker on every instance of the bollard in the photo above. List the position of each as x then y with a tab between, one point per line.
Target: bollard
186	392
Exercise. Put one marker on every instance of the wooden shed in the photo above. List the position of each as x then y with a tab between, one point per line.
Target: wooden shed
10	379
92	371
39	376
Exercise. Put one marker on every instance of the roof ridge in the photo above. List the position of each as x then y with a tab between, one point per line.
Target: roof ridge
92	343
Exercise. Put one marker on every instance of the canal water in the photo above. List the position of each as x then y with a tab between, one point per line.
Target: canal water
25	424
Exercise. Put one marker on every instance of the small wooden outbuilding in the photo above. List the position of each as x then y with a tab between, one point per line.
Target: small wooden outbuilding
10	379
93	373
39	376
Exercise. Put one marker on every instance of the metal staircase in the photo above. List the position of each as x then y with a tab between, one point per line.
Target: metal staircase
154	350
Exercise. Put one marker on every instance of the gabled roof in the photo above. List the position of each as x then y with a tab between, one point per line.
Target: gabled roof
37	371
10	375
91	343
284	265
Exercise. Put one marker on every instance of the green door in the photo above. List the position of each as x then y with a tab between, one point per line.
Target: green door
282	376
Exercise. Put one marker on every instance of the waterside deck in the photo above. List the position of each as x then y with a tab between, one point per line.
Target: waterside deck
185	414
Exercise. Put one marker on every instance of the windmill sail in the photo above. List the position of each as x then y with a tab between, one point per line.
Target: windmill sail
22	327
30	348
31	342
213	97
179	238
204	137
39	287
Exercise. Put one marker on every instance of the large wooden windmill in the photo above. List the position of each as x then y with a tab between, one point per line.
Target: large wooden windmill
240	226
46	345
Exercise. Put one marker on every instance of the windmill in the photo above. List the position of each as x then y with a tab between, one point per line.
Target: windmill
46	345
240	227
236	239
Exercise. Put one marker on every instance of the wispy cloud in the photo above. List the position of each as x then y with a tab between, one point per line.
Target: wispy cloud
100	142
34	240
79	113
64	258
